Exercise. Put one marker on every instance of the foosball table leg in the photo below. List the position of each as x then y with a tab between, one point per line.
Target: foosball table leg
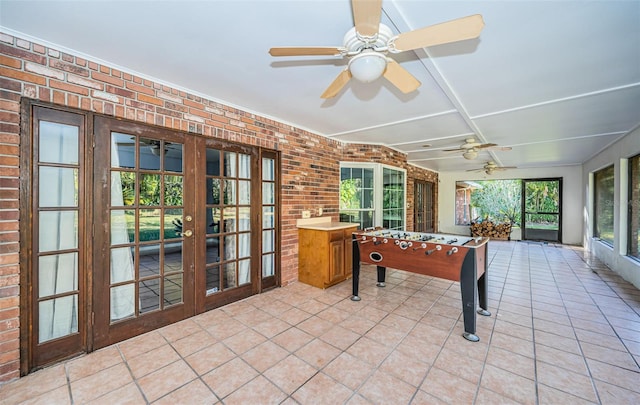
355	269
483	312
469	292
382	276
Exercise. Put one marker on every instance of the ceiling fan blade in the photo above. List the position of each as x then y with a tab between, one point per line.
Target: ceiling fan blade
446	32
501	148
486	145
400	77
455	150
337	85
366	15
476	170
306	51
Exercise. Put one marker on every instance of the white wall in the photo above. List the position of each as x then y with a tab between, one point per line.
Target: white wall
615	258
572	198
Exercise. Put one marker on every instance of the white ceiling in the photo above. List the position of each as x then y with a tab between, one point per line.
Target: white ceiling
557	81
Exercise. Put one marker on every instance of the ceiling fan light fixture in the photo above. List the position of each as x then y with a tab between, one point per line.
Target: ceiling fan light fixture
367	66
470	154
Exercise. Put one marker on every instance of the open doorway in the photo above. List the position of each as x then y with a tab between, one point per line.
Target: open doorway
530	207
541	210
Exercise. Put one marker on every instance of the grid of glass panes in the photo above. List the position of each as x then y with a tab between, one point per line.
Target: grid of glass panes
58	232
146	214
392	199
356	196
603	204
228	220
268	217
634	207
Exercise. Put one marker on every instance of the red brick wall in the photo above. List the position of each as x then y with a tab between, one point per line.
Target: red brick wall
310	163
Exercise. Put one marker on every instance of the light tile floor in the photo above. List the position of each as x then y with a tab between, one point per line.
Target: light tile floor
564	330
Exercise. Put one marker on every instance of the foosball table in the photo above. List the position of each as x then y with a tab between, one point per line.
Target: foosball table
451	257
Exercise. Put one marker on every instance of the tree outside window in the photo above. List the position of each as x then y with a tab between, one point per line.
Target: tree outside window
603	204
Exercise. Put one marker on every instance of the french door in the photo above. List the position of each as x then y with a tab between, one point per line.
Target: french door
55	195
144	253
136	227
423	206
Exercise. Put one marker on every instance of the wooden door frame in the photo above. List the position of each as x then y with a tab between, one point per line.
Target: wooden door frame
415	205
93	255
202	302
272	281
31	111
105	332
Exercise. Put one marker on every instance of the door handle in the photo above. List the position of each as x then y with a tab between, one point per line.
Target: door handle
187	233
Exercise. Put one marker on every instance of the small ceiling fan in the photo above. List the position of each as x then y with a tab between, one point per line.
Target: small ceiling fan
471	146
491	167
369	41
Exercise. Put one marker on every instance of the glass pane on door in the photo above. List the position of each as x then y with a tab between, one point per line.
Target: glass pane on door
393	199
57	219
228	220
268	217
146	220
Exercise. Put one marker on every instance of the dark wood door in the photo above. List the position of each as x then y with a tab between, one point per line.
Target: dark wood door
144	225
54	325
227	238
132	227
423	217
178	226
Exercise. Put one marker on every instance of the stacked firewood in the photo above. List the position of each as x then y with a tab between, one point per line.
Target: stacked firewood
491	229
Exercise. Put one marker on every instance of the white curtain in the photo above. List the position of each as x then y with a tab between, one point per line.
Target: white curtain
268	218
57	230
122	266
58	273
244	266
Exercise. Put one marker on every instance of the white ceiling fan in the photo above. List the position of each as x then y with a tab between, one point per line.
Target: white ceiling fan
368	43
471	146
491	167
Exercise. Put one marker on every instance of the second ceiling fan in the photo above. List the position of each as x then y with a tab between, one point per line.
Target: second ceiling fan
368	43
471	146
491	167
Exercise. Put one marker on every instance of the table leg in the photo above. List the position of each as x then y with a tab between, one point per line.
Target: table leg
382	276
355	271
468	292
482	295
483	284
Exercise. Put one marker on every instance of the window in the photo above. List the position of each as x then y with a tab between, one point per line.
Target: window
393	199
634	207
372	195
603	204
356	196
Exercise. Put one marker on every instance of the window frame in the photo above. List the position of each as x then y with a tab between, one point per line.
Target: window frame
596	217
633	201
378	190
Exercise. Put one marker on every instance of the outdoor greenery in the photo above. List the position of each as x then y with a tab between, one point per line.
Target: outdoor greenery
149	195
542	199
501	201
349	194
150	189
604	204
498	200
